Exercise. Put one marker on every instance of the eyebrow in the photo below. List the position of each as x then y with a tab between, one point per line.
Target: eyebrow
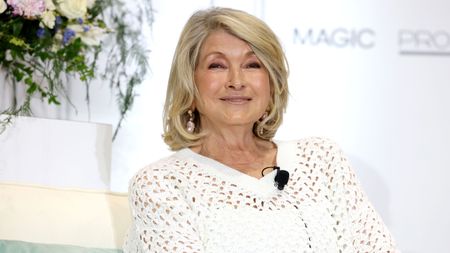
249	53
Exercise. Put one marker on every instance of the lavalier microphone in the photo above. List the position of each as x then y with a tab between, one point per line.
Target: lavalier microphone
281	178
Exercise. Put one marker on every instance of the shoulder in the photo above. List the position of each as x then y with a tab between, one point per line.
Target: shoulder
319	162
158	173
310	145
311	153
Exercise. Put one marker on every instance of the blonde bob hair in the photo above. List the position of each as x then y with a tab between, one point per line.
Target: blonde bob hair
182	91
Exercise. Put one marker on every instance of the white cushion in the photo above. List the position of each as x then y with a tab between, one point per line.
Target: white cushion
57	153
63	216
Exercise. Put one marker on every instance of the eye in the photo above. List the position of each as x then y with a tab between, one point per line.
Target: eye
254	65
216	66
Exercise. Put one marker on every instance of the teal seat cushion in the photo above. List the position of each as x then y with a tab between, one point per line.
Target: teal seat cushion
9	246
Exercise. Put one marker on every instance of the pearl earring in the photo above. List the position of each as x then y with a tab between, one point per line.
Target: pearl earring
190	125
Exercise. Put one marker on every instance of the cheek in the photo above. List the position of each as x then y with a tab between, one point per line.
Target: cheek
207	88
266	92
208	84
264	87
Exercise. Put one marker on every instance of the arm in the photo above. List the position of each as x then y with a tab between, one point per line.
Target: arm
356	219
162	219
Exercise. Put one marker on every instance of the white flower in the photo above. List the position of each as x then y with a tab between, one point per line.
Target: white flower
50	5
94	36
72	8
89	35
8	55
58	36
48	19
2	6
90	3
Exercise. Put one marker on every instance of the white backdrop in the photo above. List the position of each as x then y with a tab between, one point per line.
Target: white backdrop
372	75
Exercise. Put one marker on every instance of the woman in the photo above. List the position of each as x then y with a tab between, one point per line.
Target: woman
225	100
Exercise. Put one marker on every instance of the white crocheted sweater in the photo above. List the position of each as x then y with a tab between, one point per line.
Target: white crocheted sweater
190	203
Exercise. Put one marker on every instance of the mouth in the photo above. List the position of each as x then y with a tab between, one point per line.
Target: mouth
236	99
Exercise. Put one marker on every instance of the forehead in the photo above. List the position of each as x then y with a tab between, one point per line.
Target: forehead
220	41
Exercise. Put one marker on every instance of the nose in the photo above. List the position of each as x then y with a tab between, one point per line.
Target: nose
235	80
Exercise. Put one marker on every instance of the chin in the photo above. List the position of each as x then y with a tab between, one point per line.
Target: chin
235	121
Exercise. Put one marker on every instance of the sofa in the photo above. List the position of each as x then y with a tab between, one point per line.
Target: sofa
38	219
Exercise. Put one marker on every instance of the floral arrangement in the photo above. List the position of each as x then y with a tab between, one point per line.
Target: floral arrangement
43	42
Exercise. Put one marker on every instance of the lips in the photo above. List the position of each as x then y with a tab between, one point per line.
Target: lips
236	99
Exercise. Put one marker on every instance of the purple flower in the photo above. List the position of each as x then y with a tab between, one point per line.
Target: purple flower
86	28
80	21
58	20
68	34
40	33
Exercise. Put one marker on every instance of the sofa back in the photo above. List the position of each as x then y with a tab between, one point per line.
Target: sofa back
49	215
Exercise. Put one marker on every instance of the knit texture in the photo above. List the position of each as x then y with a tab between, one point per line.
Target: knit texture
190	203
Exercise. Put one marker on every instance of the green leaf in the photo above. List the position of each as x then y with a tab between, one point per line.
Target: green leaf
52	99
18	75
19	42
16	28
33	87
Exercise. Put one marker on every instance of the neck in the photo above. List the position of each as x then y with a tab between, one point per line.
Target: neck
237	149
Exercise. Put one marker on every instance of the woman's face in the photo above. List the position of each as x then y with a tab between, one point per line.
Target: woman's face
233	84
